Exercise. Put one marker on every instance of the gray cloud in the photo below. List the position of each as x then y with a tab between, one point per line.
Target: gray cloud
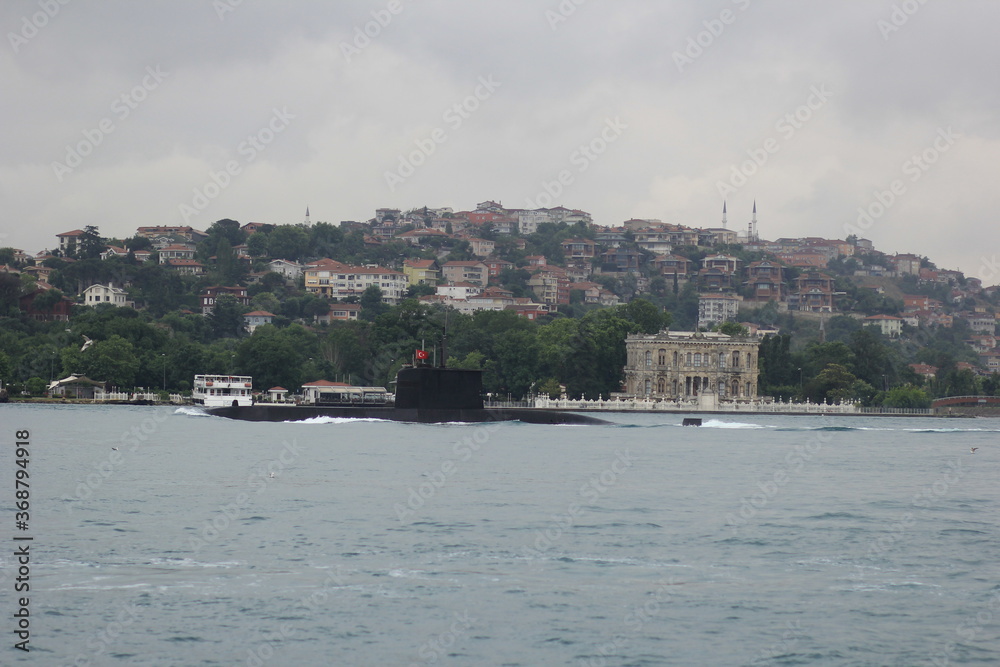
358	108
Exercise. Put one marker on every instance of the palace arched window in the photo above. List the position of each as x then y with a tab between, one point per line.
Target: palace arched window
649	360
649	386
661	386
697	358
663	357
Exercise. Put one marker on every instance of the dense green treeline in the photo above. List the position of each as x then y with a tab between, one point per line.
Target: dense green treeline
136	349
864	367
584	354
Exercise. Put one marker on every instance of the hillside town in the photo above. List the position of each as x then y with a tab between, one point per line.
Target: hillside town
539	265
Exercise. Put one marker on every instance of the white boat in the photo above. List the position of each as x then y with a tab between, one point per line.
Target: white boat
214	391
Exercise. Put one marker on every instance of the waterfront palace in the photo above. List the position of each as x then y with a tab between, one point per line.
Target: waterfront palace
683	365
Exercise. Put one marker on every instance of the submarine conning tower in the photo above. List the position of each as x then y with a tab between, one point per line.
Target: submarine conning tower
430	388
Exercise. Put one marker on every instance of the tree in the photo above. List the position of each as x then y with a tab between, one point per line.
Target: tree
371	303
10	290
47	300
227	317
778	375
138	243
733	329
906	396
272	357
415	291
608	331
840	328
833	383
257	244
112	360
550	388
324	239
289	242
227	229
991	385
567	354
954	382
6	368
651	320
161	289
472	361
821	355
872	362
89	244
35	386
266	301
229	270
345	348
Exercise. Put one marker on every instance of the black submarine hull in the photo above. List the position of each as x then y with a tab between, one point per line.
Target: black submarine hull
424	394
289	413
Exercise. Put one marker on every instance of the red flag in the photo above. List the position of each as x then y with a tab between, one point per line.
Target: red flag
422	354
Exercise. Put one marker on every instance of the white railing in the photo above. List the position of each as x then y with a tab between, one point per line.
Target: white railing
110	396
127	397
896	411
508	404
709	404
695	405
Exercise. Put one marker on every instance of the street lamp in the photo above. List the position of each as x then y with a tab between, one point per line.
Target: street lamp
800	380
164	357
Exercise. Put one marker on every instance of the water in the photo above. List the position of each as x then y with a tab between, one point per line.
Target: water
749	541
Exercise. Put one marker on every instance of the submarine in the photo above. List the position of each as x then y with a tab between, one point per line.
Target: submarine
424	394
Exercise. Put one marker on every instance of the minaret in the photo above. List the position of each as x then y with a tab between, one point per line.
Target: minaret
753	222
723	214
308	221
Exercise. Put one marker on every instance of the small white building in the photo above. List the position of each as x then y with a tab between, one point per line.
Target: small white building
277	395
461	290
340	312
116	296
290	270
176	251
114	251
890	326
258	318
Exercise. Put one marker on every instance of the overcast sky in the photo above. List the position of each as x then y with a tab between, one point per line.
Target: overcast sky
120	114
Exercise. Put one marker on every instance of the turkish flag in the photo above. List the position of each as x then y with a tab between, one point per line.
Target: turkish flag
422	354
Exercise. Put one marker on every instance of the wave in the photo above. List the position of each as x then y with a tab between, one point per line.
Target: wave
190	562
332	420
191	412
718	423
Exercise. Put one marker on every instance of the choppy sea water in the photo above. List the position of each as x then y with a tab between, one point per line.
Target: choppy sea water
752	540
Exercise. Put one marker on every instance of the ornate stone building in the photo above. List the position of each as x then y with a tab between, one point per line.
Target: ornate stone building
686	365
